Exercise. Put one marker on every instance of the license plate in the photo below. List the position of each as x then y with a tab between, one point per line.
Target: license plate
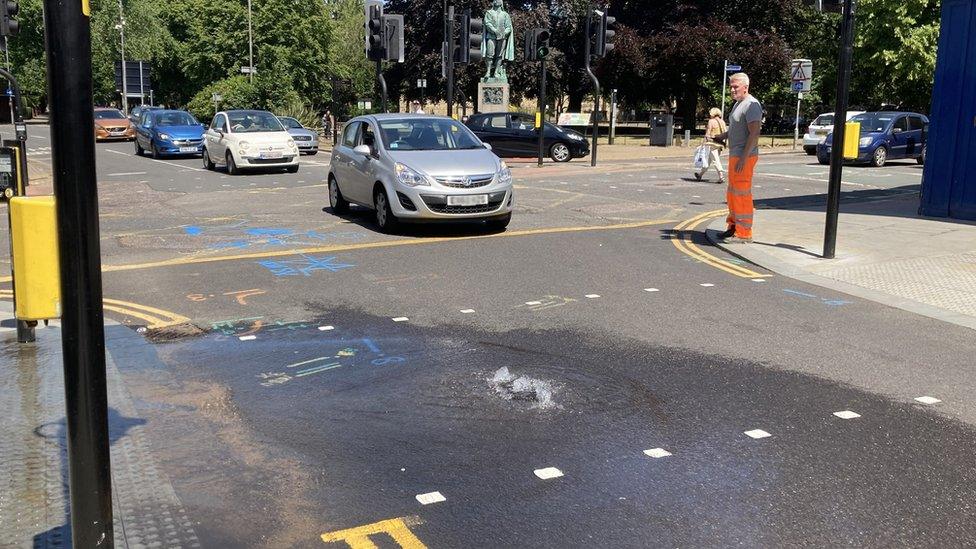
271	155
468	200
188	149
116	133
821	132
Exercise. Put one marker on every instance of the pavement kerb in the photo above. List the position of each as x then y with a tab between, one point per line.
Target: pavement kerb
757	257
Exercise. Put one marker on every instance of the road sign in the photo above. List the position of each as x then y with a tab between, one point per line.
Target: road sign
801	74
733	68
217	97
249	70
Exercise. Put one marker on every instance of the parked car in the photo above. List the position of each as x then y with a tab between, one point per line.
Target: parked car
307	140
514	134
885	135
818	129
135	115
165	132
111	124
418	168
248	139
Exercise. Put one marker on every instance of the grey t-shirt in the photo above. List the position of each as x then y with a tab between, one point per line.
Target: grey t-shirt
745	111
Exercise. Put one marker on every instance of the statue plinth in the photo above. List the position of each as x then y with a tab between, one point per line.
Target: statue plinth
493	96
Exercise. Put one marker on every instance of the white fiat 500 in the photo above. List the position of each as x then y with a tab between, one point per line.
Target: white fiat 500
248	140
419	168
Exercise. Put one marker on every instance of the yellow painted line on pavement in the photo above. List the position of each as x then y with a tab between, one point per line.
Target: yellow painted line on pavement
398	529
681	238
155	318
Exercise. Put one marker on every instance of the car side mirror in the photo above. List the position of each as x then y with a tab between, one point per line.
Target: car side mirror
363	150
487	145
897	130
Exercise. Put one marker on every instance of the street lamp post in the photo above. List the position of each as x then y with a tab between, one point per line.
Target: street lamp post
125	90
250	45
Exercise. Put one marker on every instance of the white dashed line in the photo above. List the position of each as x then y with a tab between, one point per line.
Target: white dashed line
657	453
400	319
247	338
127	173
706	285
757	433
467	311
431	497
533	303
326	328
592	296
651	290
847	414
548	473
759	280
928	400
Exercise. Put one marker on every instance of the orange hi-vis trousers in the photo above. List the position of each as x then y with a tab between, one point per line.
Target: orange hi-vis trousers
739	195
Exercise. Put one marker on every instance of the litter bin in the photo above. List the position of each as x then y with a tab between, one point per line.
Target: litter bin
662	130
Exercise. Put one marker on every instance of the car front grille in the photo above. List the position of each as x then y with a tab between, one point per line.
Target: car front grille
282	160
439	204
122	129
465	182
187	142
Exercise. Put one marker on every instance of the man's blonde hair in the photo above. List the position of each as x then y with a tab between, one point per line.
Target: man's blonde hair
740	77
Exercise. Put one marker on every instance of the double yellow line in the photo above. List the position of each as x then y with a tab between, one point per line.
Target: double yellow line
154	318
681	238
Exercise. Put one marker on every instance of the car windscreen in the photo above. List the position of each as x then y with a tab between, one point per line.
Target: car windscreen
109	115
291	123
426	134
175	119
824	120
254	121
872	123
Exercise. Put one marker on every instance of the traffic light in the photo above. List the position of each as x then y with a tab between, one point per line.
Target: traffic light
604	33
536	44
833	6
393	46
8	18
375	31
471	35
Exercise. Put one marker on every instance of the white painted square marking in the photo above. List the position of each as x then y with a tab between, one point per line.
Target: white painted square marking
467	311
757	433
651	290
548	473
847	414
592	296
612	187
928	400
706	285
326	328
533	303
431	497
400	319
247	338
657	453
695	196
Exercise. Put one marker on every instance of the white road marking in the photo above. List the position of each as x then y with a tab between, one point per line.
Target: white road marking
467	311
847	414
326	328
706	285
160	161
928	400
757	433
759	280
430	497
400	319
657	453
127	173
247	338
533	303
548	473
651	290
592	296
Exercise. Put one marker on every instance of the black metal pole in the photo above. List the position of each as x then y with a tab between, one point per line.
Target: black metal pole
840	119
542	110
613	115
382	83
69	72
596	84
449	60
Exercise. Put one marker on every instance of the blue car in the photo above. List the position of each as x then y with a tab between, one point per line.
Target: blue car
885	136
168	132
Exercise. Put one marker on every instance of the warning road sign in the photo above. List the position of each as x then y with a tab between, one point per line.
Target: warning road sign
801	75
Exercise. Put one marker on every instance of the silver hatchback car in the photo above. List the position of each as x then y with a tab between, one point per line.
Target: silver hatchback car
418	168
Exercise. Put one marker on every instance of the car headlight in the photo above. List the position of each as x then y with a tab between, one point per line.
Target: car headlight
164	136
577	137
410	177
100	127
291	143
505	174
866	141
244	145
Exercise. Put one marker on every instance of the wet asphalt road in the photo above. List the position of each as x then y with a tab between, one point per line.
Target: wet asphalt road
302	407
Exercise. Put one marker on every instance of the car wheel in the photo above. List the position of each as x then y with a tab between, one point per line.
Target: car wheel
292	169
499	223
207	162
336	202
559	152
921	157
879	157
152	151
698	175
313	153
385	220
231	165
810	150
139	149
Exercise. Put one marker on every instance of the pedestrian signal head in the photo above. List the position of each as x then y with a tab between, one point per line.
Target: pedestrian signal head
8	18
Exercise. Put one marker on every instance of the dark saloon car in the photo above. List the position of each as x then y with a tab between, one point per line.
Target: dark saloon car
165	132
885	135
513	134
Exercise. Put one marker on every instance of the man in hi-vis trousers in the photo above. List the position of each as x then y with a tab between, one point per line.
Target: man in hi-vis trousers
745	122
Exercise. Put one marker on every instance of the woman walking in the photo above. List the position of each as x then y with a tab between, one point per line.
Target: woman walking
716	127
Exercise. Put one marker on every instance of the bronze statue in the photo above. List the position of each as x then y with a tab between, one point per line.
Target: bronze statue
498	45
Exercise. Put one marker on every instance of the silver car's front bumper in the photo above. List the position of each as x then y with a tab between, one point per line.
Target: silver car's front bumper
431	203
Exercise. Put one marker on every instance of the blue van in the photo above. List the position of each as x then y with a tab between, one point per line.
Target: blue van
885	135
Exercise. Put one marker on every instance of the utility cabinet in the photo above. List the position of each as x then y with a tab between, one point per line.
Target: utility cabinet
949	176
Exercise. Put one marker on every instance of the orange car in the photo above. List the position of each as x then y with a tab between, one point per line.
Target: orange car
112	124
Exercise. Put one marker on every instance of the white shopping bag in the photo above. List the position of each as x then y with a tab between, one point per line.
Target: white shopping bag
701	157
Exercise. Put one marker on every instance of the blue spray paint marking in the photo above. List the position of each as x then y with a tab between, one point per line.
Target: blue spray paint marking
192	230
825	301
263	231
230	244
304	266
372	346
